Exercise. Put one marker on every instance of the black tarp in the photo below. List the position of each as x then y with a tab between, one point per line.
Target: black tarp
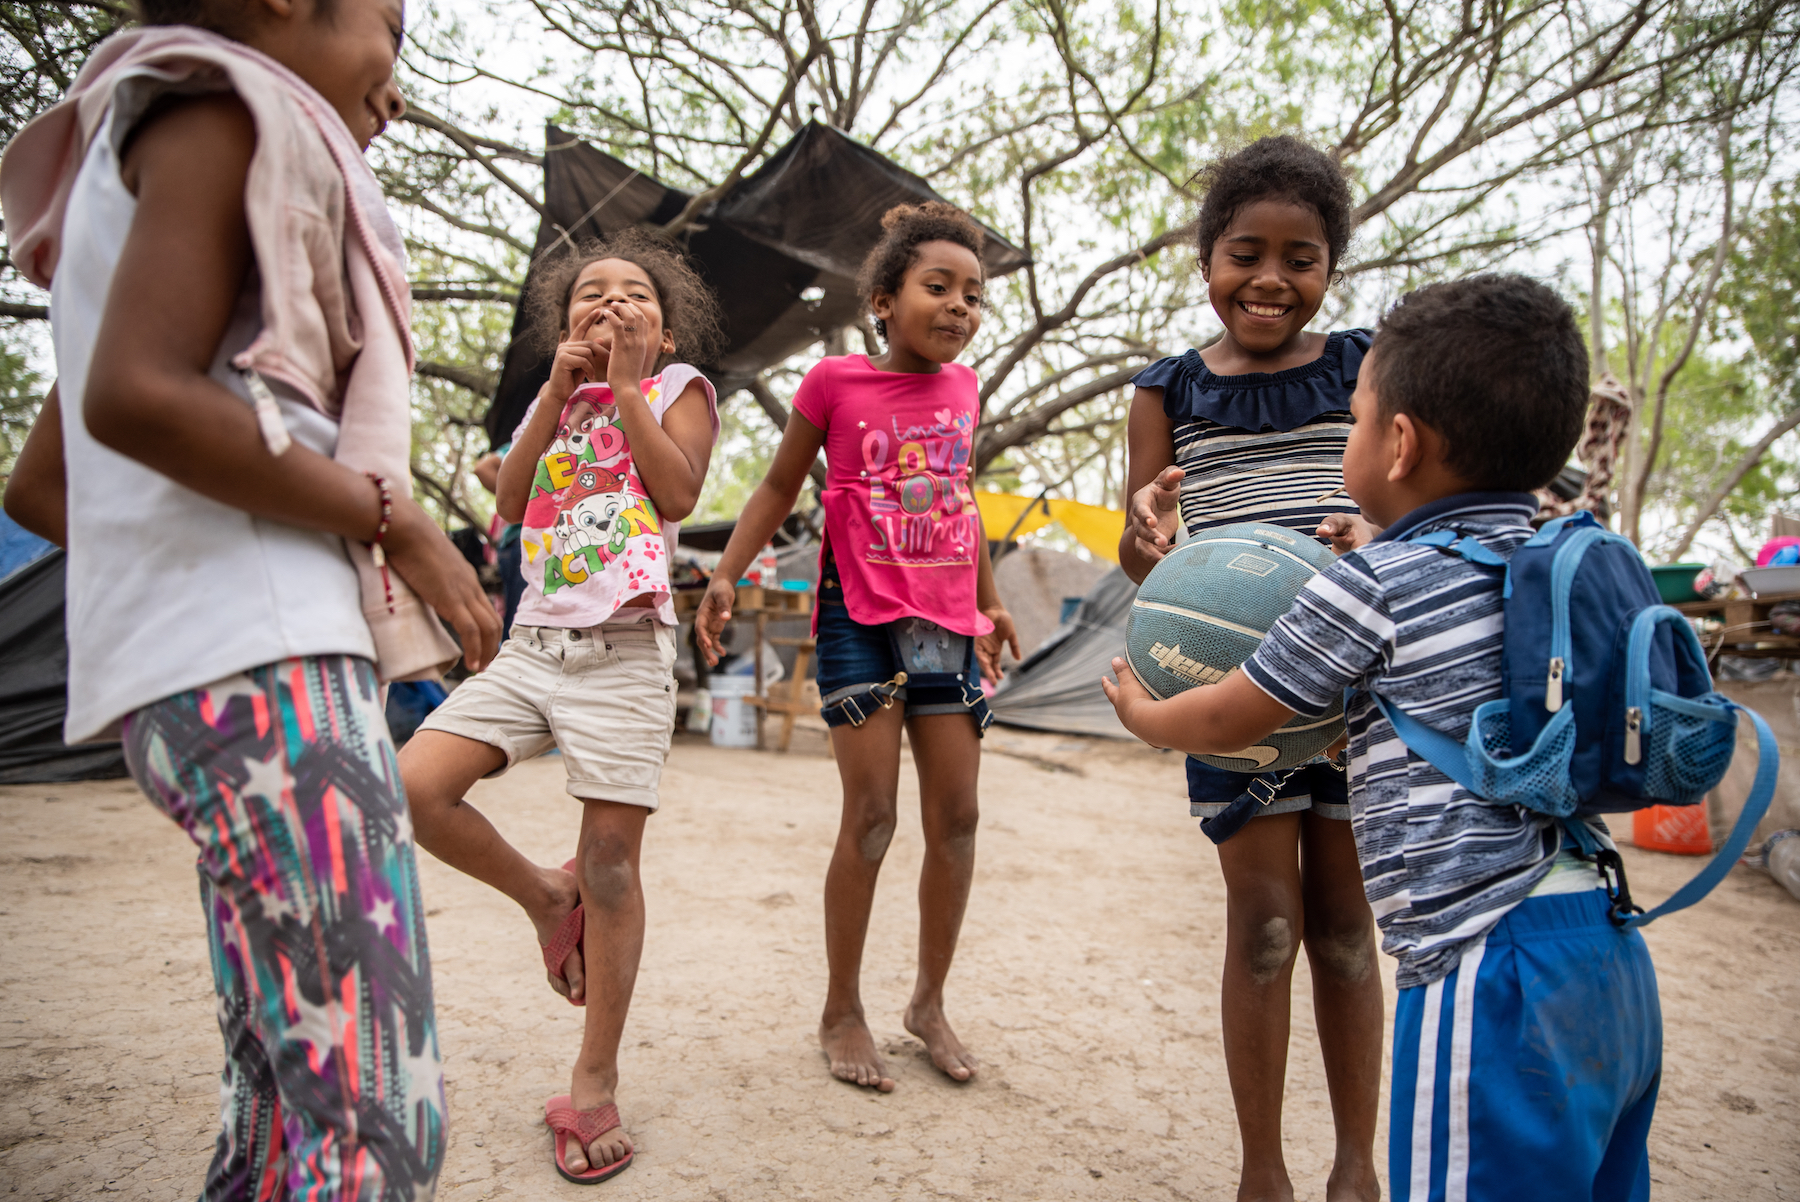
781	249
34	681
1057	687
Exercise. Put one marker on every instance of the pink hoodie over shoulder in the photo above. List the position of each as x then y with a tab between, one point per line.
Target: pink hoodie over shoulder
336	307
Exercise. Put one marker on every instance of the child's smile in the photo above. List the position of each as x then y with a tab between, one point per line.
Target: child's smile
1266	277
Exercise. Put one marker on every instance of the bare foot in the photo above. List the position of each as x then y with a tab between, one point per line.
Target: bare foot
609	1148
561	894
1353	1181
850	1048
947	1051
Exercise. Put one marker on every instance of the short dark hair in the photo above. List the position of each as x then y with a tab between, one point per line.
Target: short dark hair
1496	365
904	229
689	309
215	15
1281	167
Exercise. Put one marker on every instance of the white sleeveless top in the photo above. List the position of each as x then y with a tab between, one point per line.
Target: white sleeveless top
169	590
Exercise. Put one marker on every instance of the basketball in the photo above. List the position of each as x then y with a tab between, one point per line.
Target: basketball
1202	611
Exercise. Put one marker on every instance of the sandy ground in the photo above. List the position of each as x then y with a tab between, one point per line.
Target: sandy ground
1087	981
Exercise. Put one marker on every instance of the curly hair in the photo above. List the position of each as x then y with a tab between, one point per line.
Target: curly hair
690	311
904	229
1276	168
1496	365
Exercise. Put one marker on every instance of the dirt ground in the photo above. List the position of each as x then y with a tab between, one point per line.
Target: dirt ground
1087	982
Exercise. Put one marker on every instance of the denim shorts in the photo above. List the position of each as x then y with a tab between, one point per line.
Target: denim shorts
1316	786
861	668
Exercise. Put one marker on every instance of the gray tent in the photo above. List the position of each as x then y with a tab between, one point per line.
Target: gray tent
1058	686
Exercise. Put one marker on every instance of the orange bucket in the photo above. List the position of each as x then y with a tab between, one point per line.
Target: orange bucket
1679	830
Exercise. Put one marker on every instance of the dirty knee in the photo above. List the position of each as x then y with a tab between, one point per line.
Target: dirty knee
872	838
1348	955
1271	948
607	876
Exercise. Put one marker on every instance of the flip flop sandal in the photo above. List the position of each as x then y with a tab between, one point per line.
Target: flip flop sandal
567	939
566	1122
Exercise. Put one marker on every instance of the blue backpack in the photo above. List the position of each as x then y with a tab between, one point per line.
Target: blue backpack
1608	707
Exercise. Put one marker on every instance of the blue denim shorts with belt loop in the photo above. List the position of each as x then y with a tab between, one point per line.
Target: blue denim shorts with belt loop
862	669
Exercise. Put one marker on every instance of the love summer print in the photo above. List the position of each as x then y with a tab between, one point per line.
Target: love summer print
920	505
588	512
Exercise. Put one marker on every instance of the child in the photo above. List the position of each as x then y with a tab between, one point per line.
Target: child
1527	1036
610	456
200	208
906	608
1255	425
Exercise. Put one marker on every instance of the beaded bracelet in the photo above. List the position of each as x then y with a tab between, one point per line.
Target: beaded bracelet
381	529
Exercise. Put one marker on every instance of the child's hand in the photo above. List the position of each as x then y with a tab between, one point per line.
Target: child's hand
715	611
577	362
1128	696
1346	532
987	647
428	561
1154	511
630	353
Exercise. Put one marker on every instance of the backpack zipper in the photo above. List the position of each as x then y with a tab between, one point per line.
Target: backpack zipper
1553	698
1634	742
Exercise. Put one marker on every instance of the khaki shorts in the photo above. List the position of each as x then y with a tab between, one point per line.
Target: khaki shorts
605	697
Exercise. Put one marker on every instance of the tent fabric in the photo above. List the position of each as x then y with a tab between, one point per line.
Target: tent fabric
34	684
1095	527
781	249
1057	688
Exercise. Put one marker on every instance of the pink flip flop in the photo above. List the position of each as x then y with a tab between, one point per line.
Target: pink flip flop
587	1126
566	940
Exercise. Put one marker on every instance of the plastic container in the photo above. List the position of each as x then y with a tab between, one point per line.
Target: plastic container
699	719
1781	859
1678	830
764	573
1769	582
733	721
1675	582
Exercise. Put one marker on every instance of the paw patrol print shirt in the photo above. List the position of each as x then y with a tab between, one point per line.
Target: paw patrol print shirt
591	538
900	521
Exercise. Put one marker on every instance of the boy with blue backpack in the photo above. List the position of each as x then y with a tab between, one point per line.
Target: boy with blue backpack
1503	688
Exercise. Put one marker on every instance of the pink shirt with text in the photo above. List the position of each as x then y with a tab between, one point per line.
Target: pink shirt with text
900	520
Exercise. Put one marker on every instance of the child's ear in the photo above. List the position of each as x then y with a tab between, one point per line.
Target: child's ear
881	304
668	341
1408	446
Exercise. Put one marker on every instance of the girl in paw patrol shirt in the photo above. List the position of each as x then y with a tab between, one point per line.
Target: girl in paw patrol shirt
610	457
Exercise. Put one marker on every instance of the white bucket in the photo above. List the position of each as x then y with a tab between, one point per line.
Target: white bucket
733	722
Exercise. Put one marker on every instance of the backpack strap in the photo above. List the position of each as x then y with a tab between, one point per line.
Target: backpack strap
1439	749
1762	790
1462	545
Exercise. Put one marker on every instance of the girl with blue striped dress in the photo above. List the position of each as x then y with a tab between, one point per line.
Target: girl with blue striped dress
1252	428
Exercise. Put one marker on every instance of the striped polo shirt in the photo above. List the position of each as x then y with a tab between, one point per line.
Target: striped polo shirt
1440	865
1263	446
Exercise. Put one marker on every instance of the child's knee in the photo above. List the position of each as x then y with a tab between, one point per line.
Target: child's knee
1269	945
873	834
608	877
953	822
1344	950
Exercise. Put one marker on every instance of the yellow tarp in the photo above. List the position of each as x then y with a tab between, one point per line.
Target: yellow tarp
1096	528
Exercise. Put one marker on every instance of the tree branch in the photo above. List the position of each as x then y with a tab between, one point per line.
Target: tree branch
479	382
1735	477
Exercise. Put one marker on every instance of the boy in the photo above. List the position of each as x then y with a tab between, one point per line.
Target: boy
1527	1033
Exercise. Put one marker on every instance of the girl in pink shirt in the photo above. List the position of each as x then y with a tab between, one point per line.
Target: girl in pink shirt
908	618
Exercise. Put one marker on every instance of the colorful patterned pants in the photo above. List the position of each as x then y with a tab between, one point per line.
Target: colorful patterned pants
286	780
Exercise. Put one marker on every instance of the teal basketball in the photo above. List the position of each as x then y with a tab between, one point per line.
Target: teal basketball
1202	611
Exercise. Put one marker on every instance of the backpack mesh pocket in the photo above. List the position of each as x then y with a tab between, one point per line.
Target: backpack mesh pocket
1539	779
1688	746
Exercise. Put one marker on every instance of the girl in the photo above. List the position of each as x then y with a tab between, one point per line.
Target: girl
1255	426
610	456
906	607
201	212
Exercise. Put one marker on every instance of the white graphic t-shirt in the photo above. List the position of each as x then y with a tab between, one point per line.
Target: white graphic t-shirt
591	538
